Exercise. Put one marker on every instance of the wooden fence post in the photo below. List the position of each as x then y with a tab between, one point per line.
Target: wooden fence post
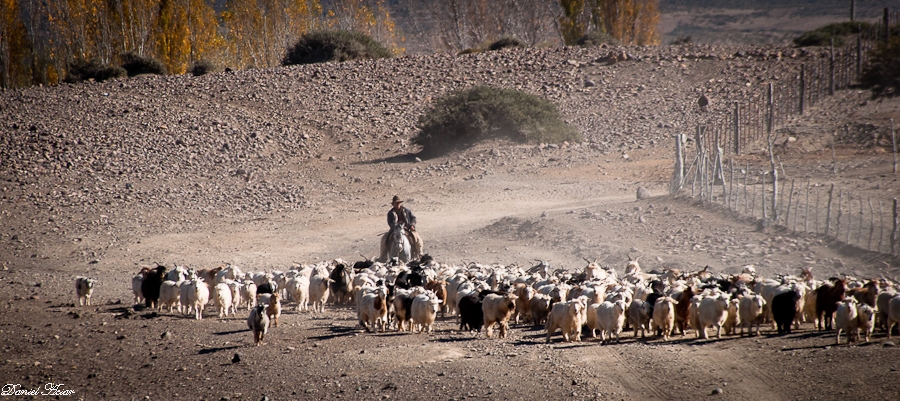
831	69
859	228
746	197
849	216
720	167
895	230
894	145
787	214
871	224
817	209
806	212
833	154
881	234
702	158
828	215
770	142
796	213
731	186
858	51
737	129
765	214
840	213
678	173
802	88
770	111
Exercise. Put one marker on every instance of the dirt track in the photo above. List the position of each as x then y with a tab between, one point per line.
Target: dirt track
559	205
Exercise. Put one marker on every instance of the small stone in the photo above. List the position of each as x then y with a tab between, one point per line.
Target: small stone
703	101
643	193
717	390
166	335
888	344
236	358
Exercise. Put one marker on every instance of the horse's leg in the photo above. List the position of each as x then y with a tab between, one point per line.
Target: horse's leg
384	247
415	245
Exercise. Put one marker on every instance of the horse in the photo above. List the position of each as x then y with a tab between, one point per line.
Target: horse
398	244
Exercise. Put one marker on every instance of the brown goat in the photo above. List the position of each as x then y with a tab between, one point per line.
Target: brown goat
867	294
827	297
683	309
209	275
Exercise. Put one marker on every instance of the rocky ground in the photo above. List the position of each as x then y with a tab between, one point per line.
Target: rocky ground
264	168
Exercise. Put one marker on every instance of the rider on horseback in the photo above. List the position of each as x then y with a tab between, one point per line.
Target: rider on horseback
401	215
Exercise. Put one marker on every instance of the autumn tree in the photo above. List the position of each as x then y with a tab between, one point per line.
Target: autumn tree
257	32
135	21
531	21
370	17
171	34
632	22
463	24
571	20
14	70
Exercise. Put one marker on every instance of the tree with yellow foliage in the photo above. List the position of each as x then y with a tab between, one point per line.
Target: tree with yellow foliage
632	22
370	17
185	31
135	21
571	21
257	32
14	70
172	36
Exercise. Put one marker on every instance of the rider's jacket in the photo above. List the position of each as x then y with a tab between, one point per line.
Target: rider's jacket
392	217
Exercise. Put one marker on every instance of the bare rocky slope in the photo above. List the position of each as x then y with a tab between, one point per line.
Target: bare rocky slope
264	168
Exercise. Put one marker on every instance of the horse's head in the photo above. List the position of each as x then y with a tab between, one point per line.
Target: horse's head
399	244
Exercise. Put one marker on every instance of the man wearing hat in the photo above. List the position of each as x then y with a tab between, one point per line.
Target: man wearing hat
400	214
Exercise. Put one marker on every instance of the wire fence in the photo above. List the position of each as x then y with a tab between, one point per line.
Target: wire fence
759	192
805	87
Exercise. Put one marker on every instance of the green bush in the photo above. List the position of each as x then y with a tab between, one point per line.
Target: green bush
507	42
462	118
83	70
202	67
137	65
325	46
838	31
597	38
882	73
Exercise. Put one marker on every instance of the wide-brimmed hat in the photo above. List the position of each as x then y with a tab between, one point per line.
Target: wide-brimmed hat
396	200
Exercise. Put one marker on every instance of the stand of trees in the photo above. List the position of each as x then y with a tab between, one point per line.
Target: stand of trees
39	39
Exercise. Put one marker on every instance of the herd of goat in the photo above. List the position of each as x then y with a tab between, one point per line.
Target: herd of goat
409	296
